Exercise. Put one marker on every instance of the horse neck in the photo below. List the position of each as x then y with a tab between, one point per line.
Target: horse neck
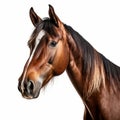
74	73
85	67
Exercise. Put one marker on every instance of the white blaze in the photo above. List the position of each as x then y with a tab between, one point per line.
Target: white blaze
37	41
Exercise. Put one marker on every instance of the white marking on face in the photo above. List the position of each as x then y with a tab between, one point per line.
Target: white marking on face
37	41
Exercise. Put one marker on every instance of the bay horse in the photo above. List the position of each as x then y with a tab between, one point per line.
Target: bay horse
56	47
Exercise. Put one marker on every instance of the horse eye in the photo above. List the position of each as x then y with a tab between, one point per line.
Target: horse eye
53	43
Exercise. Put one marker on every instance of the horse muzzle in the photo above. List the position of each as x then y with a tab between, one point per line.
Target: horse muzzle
29	89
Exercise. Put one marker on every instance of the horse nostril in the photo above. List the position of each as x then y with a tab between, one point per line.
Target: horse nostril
29	86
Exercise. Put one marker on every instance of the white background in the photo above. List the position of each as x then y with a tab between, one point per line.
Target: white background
97	21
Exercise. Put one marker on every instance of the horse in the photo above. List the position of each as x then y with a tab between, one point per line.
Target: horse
56	47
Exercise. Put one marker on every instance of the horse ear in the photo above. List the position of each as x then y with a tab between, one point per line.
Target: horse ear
34	17
53	16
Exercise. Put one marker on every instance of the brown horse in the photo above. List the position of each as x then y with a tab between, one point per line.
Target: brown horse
56	47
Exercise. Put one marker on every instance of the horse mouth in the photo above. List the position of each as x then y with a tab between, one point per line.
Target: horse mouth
28	96
32	95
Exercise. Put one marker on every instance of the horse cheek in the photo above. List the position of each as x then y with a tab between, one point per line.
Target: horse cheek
61	60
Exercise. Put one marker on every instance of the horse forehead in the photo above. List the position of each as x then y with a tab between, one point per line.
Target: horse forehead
37	41
39	36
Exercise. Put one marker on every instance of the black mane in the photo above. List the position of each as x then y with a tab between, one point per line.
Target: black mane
48	26
112	71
